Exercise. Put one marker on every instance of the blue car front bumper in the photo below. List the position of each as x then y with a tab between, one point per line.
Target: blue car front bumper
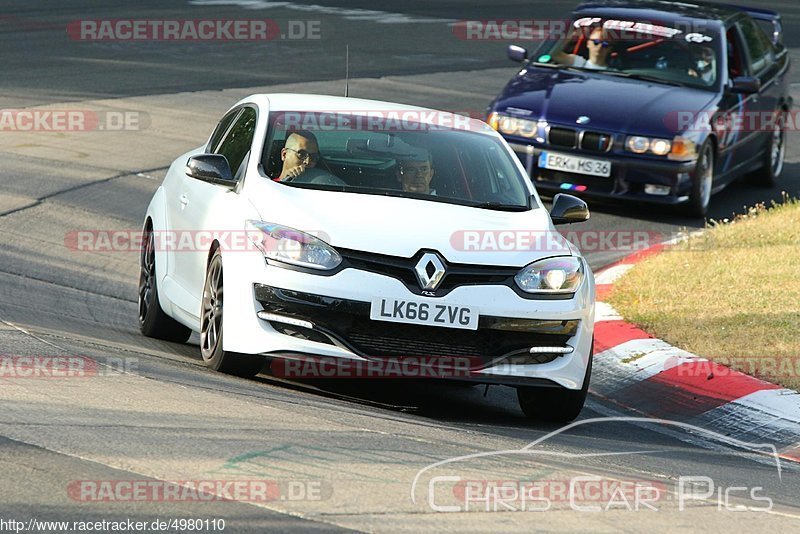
629	176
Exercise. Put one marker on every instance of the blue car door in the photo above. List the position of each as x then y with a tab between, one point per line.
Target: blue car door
763	65
737	141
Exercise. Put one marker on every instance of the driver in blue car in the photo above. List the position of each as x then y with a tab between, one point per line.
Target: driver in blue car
599	48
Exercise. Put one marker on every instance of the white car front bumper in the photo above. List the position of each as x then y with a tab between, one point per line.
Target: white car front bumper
335	303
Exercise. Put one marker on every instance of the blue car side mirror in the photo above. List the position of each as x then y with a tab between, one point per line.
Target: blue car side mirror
517	53
745	84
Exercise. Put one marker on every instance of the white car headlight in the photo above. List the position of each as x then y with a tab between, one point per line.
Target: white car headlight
287	245
552	275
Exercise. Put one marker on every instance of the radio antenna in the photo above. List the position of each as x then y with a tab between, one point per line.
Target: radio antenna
347	70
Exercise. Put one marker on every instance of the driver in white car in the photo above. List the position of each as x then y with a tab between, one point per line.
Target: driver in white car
300	155
300	152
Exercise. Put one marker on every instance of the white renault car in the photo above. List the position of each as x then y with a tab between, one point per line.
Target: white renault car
370	232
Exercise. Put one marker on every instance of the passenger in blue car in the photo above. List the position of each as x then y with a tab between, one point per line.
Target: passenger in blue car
599	48
704	66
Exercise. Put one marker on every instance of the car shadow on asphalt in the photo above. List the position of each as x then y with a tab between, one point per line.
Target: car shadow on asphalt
441	400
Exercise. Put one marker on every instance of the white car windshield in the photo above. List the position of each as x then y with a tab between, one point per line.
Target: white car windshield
359	154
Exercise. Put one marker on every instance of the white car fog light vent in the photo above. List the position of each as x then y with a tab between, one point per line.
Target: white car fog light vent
551	350
266	316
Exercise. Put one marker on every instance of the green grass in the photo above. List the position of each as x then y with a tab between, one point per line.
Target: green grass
731	294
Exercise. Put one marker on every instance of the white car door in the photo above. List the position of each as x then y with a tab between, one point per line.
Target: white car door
199	209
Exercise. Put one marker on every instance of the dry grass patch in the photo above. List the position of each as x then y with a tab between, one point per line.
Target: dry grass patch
731	295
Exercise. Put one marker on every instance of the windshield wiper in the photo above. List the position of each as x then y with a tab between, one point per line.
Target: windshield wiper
499	206
620	73
643	77
558	66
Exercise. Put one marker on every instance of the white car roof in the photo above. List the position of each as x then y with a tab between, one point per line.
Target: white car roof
327	103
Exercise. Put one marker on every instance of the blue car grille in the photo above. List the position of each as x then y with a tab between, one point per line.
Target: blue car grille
596	141
559	136
564	137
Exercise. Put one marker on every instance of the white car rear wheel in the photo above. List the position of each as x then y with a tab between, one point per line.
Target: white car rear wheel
153	322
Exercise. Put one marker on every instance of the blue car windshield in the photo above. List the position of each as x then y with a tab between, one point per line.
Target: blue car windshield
638	50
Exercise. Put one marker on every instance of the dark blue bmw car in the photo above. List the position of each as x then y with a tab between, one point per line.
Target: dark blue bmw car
651	101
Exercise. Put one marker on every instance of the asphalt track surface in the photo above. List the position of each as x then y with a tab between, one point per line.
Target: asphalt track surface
360	444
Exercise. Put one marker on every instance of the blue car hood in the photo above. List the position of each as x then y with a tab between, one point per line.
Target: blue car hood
613	104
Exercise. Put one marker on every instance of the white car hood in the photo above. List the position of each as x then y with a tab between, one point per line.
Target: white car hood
401	226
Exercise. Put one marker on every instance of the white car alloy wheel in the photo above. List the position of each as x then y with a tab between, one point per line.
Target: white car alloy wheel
153	322
211	327
211	346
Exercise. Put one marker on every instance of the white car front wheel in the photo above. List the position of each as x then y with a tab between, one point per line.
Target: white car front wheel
558	405
211	328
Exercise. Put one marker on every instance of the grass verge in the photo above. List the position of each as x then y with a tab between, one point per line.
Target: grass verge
731	294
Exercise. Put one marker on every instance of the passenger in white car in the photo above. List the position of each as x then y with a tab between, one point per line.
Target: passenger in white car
415	172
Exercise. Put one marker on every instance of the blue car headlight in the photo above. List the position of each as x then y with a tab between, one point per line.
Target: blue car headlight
512	125
639	144
562	274
660	147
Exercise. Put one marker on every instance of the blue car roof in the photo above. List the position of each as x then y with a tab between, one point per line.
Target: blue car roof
664	10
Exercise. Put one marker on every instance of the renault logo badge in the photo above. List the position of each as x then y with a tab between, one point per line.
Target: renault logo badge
429	271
